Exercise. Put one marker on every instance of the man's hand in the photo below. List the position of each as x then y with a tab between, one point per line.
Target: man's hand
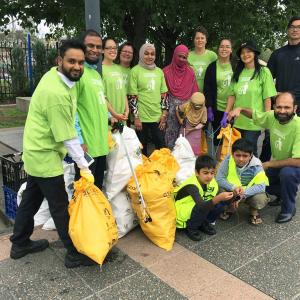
266	165
87	175
138	124
239	191
234	114
84	147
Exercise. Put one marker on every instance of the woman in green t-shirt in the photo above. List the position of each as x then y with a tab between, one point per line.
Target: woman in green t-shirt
125	59
147	99
251	87
114	84
216	85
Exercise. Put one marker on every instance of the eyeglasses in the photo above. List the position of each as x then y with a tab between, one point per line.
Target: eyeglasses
126	52
110	48
293	27
98	47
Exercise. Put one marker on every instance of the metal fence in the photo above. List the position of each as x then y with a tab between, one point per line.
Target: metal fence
7	92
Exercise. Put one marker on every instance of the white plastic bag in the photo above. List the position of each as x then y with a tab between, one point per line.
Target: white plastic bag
43	215
123	212
118	170
186	159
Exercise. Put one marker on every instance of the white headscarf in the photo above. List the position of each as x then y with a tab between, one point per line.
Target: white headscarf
141	56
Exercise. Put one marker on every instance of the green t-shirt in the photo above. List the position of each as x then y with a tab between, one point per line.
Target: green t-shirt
92	112
224	74
148	85
126	75
114	87
251	94
50	121
285	139
200	64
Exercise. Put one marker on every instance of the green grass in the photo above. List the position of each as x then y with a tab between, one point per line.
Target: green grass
11	117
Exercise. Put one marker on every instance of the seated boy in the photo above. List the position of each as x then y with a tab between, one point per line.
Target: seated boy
243	174
196	200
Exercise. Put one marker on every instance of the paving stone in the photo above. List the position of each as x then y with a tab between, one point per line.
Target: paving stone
142	285
234	248
42	276
117	267
276	272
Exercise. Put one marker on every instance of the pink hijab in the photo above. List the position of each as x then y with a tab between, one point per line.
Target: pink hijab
180	77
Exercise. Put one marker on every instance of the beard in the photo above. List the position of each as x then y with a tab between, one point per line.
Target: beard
91	62
69	75
284	118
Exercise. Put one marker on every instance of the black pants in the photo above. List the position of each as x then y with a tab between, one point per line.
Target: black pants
218	115
53	189
157	136
97	168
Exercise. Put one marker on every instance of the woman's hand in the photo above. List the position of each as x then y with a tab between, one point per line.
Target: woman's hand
162	122
138	124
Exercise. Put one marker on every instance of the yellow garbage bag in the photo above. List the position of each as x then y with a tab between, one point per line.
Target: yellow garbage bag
204	147
92	226
229	136
155	178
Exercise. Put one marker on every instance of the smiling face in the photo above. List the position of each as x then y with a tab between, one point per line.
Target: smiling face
225	49
126	55
149	56
110	50
93	48
247	56
284	108
71	65
200	40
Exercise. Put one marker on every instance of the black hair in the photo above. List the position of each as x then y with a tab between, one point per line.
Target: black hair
117	61
70	44
286	92
292	19
202	30
242	145
205	161
89	32
240	66
107	39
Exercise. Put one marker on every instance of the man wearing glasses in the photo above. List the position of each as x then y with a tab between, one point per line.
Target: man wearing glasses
284	62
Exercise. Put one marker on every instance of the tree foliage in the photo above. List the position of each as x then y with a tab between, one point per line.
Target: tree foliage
166	22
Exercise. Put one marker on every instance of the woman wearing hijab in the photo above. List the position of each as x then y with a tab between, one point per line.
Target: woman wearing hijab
147	98
181	82
252	86
192	116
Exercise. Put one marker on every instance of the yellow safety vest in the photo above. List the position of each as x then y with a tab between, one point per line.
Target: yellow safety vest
234	179
185	205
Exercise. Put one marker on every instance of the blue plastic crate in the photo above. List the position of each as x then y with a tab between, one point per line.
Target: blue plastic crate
10	202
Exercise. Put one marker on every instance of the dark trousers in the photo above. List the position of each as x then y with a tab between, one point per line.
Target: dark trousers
218	115
53	189
199	216
252	136
284	184
157	136
97	168
266	148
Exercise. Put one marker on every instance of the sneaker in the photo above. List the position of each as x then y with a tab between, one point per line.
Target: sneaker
74	260
207	228
194	235
31	247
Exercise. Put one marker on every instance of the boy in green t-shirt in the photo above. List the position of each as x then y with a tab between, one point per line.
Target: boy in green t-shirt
197	200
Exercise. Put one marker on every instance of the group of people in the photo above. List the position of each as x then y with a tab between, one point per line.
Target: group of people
70	108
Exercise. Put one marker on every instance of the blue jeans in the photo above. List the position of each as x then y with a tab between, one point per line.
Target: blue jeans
284	184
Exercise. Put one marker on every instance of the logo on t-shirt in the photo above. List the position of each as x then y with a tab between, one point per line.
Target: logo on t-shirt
119	83
278	144
151	85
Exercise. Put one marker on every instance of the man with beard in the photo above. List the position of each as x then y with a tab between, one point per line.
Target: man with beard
92	108
49	133
283	170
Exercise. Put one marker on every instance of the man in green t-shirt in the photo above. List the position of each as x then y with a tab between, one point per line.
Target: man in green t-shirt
283	170
49	133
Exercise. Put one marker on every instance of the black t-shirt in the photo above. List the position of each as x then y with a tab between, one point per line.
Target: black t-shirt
284	65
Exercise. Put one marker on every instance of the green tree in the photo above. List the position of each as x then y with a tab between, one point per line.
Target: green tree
40	61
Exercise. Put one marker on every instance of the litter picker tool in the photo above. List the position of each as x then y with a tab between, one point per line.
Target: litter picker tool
119	127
